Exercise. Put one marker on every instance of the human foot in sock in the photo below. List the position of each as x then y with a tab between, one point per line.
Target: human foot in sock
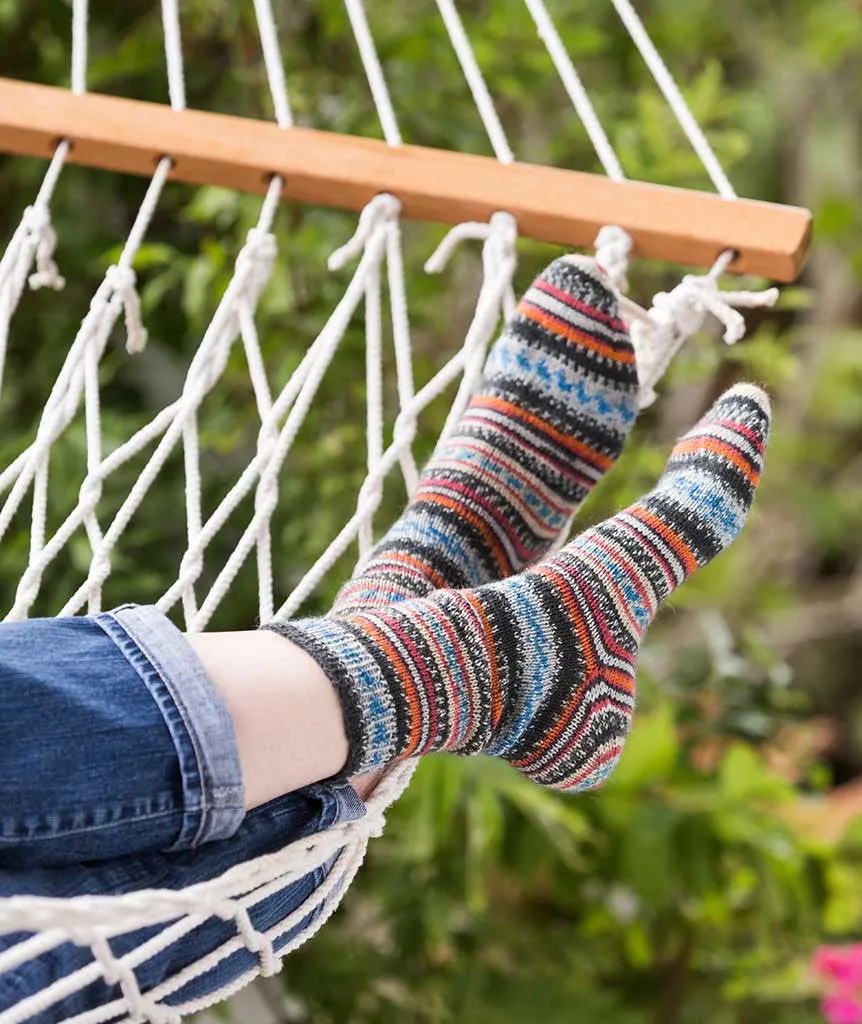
553	411
539	669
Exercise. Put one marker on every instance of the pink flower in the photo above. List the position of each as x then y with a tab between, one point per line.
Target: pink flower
843	964
842	1008
840	967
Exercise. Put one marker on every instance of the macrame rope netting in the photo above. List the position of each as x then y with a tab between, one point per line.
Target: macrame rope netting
35	239
375	251
93	920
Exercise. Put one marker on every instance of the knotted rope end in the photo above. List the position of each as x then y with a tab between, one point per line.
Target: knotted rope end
122	282
37	221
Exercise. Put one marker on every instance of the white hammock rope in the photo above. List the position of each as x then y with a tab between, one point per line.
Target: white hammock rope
375	254
672	93
35	238
476	81
575	88
373	71
496	298
80	16
613	248
79	376
174	54
86	920
273	63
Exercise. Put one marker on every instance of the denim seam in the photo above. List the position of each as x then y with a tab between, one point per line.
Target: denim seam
83	830
215	809
212	797
193	790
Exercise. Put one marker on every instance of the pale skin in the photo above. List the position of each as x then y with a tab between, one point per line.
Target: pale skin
286	716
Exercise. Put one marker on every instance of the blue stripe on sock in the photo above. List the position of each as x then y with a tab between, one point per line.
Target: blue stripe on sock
622	578
479	462
358	662
712	502
615	410
434	536
536	670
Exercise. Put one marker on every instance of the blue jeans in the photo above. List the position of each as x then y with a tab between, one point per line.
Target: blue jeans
119	772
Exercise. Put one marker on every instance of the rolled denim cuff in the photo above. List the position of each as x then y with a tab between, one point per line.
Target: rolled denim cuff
199	723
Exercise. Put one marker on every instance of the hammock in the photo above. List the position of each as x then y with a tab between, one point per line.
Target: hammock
491	200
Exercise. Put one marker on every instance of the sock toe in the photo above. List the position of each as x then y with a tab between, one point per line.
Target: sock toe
581	278
601	282
745	408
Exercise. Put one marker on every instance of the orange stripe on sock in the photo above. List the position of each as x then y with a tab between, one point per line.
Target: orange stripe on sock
465	667
674	541
511	411
621	680
722	448
502	560
496	696
439	655
400	667
421	567
552	323
503	464
588	652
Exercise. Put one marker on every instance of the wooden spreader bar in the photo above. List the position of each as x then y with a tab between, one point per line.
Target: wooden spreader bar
564	207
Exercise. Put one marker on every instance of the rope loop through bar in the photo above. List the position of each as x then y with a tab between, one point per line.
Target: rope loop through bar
500	234
613	248
381	210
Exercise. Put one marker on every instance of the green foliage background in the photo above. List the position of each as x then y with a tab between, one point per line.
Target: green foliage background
686	890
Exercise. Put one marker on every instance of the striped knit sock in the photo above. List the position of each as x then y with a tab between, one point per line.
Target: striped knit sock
539	669
551	415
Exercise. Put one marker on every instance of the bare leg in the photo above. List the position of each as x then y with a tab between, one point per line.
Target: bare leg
286	715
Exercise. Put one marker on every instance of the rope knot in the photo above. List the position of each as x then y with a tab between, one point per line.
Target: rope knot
678	314
89	494
501	239
37	222
376	825
36	218
382	210
686	307
500	255
613	247
370	495
255	262
121	282
681	311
